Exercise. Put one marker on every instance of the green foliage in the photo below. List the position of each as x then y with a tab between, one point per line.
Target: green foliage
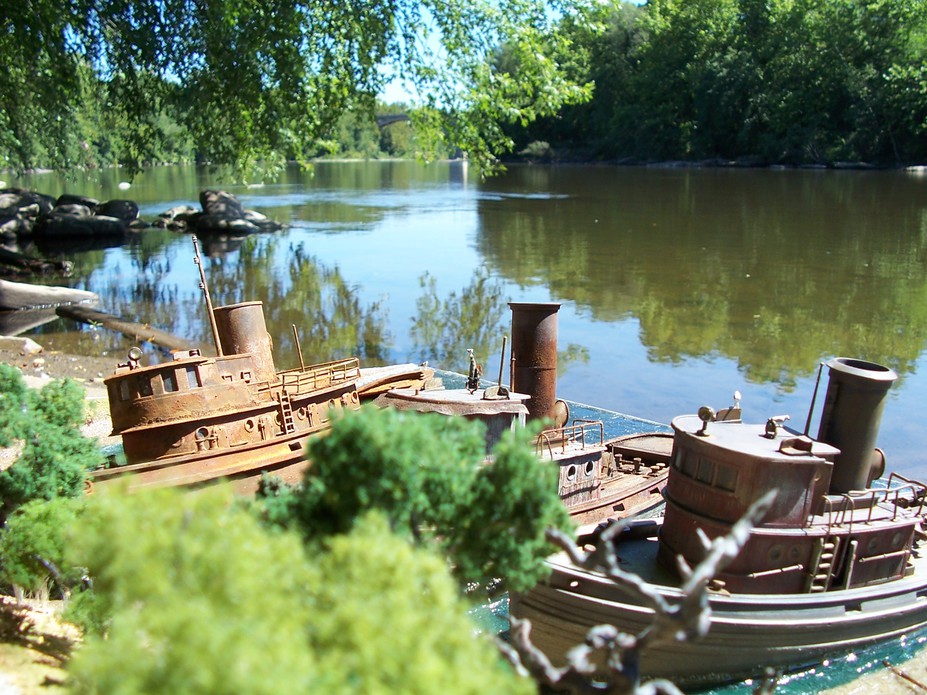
55	457
251	83
426	474
189	595
790	81
193	596
13	392
512	502
34	542
390	620
417	469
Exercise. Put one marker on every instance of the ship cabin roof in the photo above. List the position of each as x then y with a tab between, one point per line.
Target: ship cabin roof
719	470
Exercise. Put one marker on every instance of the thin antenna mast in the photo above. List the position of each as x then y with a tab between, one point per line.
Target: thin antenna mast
205	288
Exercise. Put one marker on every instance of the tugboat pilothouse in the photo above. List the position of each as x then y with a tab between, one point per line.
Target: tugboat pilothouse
197	419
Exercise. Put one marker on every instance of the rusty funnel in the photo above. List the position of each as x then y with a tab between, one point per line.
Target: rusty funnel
856	393
534	356
241	330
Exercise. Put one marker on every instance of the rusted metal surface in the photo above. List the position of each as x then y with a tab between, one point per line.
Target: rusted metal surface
597	480
198	419
497	415
534	355
242	331
818	535
853	404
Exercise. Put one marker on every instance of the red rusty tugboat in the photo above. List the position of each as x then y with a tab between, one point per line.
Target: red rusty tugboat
833	565
197	419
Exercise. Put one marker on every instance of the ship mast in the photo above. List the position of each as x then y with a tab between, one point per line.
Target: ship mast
205	288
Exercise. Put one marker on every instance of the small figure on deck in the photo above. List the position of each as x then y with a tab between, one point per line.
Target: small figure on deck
476	371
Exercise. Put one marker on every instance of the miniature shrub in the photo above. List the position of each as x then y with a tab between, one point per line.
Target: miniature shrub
56	457
34	541
427	475
191	594
13	391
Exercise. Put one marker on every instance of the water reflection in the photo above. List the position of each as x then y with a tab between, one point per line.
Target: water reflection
771	269
678	286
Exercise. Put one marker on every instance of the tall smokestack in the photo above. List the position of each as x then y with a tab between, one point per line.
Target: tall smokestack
856	393
242	330
534	356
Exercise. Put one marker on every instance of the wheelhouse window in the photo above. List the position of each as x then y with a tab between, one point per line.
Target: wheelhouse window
169	381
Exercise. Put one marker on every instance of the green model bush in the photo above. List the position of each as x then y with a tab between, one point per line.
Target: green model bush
428	475
192	594
56	457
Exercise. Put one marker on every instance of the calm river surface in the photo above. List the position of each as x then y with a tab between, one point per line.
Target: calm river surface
677	286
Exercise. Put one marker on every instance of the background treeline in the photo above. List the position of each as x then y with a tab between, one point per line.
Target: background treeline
759	81
104	141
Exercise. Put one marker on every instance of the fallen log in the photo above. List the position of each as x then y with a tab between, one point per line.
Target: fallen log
21	295
137	331
37	266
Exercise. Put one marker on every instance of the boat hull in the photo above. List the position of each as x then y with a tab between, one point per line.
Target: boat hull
747	633
284	457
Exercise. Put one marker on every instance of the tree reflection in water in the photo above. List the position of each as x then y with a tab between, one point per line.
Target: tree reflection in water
444	329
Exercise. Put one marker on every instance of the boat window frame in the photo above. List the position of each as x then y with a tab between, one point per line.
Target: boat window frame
193	376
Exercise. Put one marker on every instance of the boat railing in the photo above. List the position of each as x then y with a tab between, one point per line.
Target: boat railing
581	433
917	488
320	375
903	496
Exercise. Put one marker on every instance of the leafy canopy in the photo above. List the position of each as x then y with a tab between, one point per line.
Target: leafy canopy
191	594
252	82
427	475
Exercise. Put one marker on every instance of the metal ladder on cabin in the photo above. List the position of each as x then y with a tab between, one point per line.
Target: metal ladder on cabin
822	572
286	412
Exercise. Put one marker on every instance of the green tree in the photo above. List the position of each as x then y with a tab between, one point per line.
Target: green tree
790	81
251	83
190	594
33	544
427	475
56	457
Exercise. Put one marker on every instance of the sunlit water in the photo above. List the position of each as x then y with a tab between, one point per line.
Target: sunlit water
677	287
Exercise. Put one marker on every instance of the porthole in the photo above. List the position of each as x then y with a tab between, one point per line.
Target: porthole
249	425
589	468
775	553
794	553
202	433
897	539
301	413
571	473
872	545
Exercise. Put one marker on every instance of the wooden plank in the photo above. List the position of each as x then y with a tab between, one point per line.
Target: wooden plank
21	295
137	331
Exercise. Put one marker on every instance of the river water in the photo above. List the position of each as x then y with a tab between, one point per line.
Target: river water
678	286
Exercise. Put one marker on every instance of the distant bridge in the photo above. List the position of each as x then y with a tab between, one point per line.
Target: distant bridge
383	121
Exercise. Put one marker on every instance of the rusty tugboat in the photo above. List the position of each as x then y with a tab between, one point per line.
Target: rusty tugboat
834	564
197	419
